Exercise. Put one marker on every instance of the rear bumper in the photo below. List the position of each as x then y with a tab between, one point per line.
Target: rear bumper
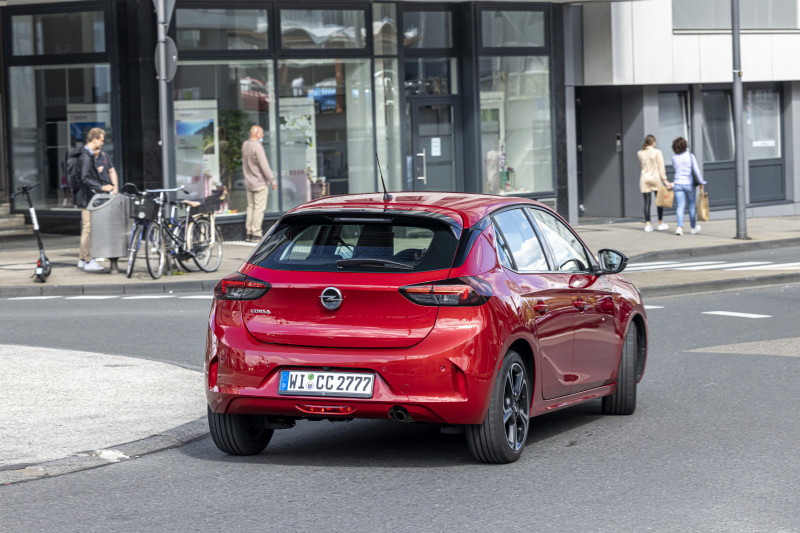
446	378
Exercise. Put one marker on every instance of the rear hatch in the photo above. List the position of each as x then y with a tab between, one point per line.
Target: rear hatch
335	280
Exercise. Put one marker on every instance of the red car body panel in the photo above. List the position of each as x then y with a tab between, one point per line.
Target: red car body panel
440	363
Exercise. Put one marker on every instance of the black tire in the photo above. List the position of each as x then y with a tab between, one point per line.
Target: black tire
502	435
623	401
184	258
134	247
239	434
206	245
154	253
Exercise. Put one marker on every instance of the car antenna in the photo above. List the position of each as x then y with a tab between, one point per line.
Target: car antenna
386	195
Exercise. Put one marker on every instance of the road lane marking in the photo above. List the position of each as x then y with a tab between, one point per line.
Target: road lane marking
198	297
654	307
777	266
738	315
783	347
91	297
35	297
148	297
677	266
727	265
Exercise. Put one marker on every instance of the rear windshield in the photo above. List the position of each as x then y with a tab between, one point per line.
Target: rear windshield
393	244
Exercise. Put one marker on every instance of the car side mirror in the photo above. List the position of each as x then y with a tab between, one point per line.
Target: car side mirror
612	261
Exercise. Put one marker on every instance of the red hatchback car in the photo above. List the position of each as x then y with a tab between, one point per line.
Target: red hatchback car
455	309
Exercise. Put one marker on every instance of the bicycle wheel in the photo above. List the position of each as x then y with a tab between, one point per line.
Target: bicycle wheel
133	248
206	245
154	252
183	256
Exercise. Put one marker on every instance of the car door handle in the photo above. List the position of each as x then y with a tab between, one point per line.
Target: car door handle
541	307
580	304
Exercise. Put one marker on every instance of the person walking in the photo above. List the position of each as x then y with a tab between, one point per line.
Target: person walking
257	177
687	177
90	184
653	174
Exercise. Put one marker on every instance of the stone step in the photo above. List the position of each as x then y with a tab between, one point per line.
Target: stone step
16	231
12	221
5	208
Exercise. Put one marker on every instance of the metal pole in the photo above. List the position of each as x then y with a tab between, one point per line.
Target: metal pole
741	215
161	25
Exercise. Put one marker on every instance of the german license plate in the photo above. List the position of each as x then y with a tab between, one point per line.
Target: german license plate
312	383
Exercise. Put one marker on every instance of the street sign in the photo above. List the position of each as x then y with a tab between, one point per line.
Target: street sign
171	59
169	9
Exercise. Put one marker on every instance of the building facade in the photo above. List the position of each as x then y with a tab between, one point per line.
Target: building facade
545	100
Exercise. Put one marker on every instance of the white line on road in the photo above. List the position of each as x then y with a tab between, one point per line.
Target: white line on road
677	266
91	297
739	315
198	297
148	297
778	266
727	266
654	307
34	297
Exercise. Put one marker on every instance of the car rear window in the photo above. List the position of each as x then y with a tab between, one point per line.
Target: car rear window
391	244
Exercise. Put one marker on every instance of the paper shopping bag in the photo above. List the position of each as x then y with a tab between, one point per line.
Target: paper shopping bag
703	213
664	196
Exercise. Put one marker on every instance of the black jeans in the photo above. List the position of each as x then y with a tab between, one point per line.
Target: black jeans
647	199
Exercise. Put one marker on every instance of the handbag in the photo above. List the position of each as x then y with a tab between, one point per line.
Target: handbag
664	196
695	178
703	213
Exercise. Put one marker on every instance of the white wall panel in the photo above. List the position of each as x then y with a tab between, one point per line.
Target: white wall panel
651	51
622	44
716	58
597	45
685	65
785	63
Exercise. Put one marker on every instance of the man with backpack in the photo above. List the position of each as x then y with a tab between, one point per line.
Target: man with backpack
84	179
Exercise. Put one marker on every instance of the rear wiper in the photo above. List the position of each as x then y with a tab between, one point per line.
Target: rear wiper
341	263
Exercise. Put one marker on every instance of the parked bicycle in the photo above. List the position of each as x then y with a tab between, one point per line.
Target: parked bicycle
190	238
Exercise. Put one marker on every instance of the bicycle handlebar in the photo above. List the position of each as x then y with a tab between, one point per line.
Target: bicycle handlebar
176	189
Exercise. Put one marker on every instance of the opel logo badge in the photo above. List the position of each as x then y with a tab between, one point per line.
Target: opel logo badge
331	298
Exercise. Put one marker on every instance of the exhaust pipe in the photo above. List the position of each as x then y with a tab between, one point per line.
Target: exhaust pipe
400	413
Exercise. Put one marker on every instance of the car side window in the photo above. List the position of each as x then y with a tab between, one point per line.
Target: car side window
521	241
568	252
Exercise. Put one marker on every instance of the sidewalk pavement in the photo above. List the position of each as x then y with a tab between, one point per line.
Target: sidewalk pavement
27	457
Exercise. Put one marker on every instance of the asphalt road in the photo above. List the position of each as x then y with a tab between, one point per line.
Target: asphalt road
713	445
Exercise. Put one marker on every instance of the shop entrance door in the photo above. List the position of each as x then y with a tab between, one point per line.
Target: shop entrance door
435	146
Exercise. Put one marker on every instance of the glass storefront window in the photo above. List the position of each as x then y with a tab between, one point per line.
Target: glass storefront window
58	33
762	124
52	109
326	128
673	121
216	103
717	127
516	124
430	76
716	14
427	29
512	29
384	29
322	29
387	125
221	29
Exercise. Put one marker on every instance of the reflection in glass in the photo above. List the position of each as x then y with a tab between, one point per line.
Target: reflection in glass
384	29
762	124
427	29
521	241
58	33
716	14
215	106
221	29
322	29
387	121
515	124
68	102
717	127
326	129
430	76
512	28
673	121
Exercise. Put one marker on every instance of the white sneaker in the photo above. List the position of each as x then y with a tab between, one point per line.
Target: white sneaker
679	231
81	263
92	266
696	229
663	227
648	228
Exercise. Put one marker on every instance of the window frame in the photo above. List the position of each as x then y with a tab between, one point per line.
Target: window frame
227	53
480	8
591	263
539	237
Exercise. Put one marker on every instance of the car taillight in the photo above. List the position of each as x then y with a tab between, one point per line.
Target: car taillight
466	291
240	287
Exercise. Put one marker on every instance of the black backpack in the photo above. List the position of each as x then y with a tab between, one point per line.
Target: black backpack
72	170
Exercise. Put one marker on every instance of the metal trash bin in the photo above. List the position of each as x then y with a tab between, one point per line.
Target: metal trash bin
109	216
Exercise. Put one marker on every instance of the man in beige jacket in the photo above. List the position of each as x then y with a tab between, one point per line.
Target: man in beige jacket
257	177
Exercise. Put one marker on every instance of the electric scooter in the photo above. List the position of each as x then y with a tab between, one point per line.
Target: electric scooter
43	264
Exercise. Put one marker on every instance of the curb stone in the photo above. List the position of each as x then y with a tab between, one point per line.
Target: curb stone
741	246
719	285
172	438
